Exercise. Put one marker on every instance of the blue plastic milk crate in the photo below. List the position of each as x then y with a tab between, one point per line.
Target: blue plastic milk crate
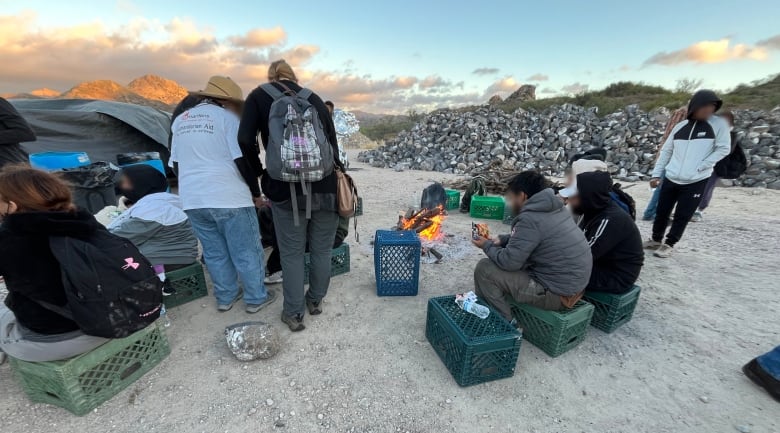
397	262
52	161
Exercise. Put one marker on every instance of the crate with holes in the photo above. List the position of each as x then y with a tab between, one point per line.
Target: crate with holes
555	332
397	262
84	382
473	349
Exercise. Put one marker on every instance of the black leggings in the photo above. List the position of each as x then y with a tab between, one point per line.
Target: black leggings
687	198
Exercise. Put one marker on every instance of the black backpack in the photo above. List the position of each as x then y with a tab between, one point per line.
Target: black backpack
626	199
733	165
433	196
111	288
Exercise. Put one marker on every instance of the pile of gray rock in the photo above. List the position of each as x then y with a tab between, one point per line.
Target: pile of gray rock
457	142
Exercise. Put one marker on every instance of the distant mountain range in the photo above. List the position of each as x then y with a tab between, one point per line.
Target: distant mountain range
150	90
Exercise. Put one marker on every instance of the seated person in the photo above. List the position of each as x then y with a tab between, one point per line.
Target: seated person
273	267
35	205
544	262
614	239
154	221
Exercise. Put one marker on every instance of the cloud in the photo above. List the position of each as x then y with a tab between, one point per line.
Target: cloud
772	43
485	71
259	38
502	87
624	68
183	50
433	82
538	77
703	52
548	90
575	88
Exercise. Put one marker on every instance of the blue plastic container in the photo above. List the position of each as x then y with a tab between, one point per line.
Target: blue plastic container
397	262
52	161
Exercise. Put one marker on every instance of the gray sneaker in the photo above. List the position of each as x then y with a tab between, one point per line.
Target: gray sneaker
664	251
651	244
227	307
254	308
697	217
295	323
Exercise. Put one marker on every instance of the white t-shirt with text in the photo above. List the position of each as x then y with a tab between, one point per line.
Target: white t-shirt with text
205	145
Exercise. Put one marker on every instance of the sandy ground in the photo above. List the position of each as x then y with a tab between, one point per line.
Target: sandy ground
365	365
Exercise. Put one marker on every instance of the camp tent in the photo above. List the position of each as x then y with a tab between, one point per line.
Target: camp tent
103	129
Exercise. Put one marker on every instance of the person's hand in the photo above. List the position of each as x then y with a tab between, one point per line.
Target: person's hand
654	182
260	202
480	243
497	240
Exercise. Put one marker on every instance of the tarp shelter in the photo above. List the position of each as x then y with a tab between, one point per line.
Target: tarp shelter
103	129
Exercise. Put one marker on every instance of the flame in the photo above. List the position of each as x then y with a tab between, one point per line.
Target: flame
433	232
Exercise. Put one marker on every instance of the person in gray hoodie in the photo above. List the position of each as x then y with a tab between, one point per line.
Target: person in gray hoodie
155	222
545	261
687	158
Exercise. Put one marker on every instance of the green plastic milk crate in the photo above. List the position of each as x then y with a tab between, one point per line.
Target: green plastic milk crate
487	207
189	283
612	311
339	262
474	350
453	199
555	332
83	383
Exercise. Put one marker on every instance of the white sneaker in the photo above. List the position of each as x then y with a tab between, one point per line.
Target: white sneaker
664	251
651	244
697	217
275	278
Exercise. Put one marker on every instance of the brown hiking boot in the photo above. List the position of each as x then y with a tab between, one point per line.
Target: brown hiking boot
295	323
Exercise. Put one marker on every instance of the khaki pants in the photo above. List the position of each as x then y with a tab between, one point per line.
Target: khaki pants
493	284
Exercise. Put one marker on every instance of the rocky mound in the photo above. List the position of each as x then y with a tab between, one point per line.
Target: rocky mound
158	89
462	143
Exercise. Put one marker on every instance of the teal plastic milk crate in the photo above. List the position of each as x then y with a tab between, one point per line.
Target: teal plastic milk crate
474	350
189	284
453	199
555	332
487	207
339	262
612	311
83	383
397	262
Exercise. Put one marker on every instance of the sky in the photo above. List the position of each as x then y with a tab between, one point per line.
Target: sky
385	56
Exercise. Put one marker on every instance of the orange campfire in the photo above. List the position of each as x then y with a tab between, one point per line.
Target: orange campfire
426	222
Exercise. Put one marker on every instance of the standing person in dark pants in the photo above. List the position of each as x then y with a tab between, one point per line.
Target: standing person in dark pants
13	130
686	162
714	179
303	212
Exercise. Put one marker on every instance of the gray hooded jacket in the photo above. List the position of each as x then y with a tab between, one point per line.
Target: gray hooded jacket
547	243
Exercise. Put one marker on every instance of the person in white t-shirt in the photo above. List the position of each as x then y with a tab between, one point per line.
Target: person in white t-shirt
219	192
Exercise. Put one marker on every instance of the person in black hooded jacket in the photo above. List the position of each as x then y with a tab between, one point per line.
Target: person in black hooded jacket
34	206
614	239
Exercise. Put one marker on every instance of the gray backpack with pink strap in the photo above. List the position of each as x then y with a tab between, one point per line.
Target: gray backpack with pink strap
298	150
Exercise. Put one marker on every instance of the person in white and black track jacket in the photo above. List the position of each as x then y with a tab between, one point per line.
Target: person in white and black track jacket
686	162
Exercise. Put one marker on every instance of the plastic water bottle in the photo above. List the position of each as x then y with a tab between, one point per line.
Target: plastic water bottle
472	307
164	316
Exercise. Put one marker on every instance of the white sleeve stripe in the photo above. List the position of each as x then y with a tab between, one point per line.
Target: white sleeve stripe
599	232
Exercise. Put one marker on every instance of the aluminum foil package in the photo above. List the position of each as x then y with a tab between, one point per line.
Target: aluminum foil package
252	340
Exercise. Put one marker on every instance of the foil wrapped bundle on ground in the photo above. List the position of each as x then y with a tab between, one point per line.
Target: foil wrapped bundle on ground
252	340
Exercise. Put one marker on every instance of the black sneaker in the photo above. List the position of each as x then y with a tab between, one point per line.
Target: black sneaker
295	323
761	378
168	288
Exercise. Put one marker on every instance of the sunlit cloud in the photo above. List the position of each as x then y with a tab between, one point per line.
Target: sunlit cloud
538	77
703	52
